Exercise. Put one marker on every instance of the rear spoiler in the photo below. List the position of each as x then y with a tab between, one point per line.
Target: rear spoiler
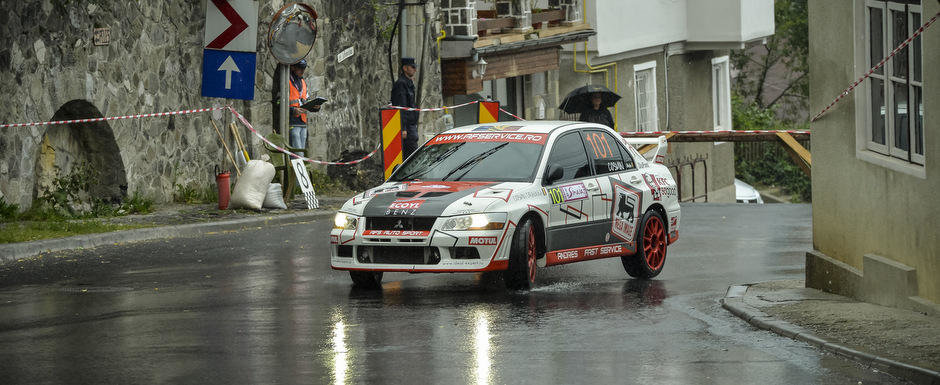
653	149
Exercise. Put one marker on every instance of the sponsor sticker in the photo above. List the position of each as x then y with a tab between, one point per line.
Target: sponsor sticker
489	137
625	212
497	128
482	241
396	233
406	205
334	239
568	193
587	253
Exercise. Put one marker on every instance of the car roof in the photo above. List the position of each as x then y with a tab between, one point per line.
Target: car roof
535	126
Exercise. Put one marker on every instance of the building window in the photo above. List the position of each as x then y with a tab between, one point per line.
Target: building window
721	94
644	76
894	93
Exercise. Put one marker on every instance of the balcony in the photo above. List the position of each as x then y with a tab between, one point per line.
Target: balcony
719	24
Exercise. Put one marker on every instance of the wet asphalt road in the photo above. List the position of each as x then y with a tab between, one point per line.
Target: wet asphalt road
263	307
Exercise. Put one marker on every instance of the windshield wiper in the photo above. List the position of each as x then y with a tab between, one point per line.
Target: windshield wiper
473	161
430	165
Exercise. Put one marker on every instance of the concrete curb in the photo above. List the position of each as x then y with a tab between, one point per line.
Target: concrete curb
15	251
734	303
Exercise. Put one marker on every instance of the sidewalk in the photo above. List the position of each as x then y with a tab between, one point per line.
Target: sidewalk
901	342
175	221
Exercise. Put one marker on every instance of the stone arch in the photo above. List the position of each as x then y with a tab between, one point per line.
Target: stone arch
65	146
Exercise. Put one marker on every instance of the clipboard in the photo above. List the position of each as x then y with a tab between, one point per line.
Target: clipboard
313	103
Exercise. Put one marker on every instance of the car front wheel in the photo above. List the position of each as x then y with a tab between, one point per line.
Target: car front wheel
650	248
366	279
522	257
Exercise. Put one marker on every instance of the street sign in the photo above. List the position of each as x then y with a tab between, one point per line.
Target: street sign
228	74
303	180
232	25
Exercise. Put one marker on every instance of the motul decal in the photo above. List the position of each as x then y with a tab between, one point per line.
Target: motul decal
587	253
482	241
395	233
489	137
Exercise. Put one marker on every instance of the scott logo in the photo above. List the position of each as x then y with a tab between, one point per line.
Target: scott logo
483	241
405	205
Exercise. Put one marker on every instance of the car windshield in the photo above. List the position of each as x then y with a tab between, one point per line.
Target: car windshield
502	161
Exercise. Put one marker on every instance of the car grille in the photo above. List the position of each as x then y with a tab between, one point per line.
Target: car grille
400	255
400	223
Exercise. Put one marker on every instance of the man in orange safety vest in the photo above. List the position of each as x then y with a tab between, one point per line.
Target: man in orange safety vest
298	96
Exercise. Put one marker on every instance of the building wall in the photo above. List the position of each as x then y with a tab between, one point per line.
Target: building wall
867	215
154	64
690	108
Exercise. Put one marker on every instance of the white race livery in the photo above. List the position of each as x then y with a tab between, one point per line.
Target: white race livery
511	198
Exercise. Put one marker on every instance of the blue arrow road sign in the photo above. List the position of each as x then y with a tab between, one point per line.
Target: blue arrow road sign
228	74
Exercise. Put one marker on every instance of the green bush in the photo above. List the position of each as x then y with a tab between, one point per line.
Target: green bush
8	211
194	193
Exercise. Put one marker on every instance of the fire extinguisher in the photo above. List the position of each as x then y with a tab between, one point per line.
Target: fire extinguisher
222	181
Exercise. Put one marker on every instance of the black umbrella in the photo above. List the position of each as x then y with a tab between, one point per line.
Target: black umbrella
579	100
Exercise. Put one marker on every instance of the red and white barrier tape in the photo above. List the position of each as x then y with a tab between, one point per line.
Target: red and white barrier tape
432	109
511	114
155	114
293	155
876	67
713	131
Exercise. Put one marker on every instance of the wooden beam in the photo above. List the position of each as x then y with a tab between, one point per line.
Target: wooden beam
721	136
797	152
544	16
647	147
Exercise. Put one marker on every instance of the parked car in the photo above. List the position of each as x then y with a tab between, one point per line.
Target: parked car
511	198
745	193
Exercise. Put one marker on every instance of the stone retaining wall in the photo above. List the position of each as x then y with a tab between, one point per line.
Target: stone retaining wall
153	64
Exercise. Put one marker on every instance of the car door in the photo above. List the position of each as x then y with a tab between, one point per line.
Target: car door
610	165
571	214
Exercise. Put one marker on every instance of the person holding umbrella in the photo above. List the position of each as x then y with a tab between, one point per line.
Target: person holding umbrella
596	114
592	102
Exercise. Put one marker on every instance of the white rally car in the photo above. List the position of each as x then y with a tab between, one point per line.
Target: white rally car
511	198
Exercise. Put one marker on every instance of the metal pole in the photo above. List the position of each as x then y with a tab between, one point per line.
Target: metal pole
403	34
284	100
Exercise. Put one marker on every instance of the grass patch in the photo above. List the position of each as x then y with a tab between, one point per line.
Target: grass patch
32	231
195	194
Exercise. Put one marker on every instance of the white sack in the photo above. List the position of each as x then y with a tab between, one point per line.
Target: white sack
274	199
252	185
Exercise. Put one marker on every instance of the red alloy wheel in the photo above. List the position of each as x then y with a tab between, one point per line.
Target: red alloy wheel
531	253
654	243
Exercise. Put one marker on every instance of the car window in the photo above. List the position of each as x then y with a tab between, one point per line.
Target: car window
568	152
475	161
605	153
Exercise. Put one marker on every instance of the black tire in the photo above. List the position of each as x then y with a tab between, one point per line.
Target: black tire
523	253
366	279
651	243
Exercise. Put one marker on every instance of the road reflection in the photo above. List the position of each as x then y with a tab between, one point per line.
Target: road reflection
481	349
340	352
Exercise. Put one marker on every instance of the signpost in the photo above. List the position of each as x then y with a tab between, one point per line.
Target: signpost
228	62
227	74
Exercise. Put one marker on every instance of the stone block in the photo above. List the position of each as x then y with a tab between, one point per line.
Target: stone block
887	282
830	275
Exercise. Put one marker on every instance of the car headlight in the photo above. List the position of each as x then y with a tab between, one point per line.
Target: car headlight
490	221
345	221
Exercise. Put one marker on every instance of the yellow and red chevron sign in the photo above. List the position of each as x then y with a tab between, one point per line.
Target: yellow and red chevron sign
488	112
391	140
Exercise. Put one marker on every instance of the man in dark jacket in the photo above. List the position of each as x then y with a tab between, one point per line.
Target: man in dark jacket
597	114
403	95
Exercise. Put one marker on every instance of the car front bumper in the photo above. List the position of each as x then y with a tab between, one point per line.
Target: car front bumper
432	251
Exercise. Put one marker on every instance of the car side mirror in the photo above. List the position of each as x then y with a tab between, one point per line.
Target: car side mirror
553	173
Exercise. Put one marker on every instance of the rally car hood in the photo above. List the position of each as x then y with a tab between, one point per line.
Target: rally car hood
431	198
